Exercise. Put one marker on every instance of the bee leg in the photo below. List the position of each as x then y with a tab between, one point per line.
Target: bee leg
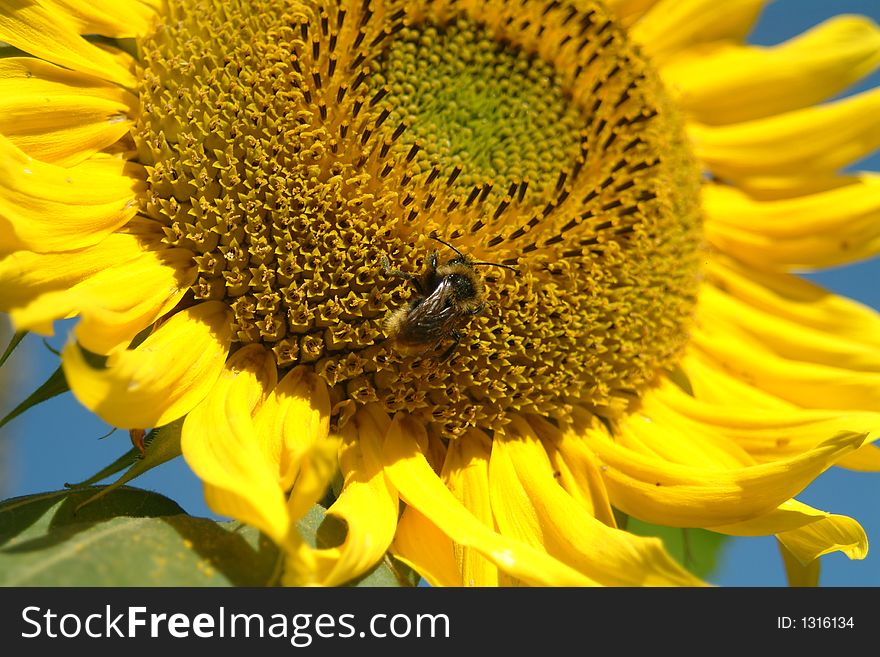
456	337
386	264
431	279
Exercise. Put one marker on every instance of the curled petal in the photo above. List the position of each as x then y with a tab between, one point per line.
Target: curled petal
799	575
807	533
221	444
304	565
296	416
530	505
163	378
368	502
655	490
830	534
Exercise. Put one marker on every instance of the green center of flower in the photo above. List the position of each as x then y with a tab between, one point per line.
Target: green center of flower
474	102
306	153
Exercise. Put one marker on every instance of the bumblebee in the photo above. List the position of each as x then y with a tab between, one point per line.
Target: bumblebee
448	295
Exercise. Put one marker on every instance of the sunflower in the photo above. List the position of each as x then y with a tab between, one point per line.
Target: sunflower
277	222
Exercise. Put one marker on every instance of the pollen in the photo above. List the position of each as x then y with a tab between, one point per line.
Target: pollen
292	147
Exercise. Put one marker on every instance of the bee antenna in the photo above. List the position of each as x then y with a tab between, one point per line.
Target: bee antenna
473	264
495	264
437	239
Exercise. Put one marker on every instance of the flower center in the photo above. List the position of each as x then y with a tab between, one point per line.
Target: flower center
306	153
479	104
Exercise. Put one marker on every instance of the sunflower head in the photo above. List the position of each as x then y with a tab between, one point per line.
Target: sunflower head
292	149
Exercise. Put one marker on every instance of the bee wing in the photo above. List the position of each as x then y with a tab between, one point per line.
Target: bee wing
432	319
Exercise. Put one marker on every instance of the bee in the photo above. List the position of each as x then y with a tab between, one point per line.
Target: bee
448	295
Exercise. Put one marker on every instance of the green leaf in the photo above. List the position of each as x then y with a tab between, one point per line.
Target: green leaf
128	537
124	462
324	531
13	343
55	385
20	513
388	573
161	445
696	549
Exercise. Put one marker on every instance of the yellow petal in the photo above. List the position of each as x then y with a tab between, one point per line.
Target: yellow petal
788	516
34	287
427	550
816	230
163	378
671	26
655	490
59	116
783	336
713	385
799	575
578	471
155	5
368	503
657	430
529	505
421	488
49	35
52	208
118	303
726	83
816	140
221	444
766	434
830	534
296	416
774	188
865	459
806	532
857	241
797	300
316	468
790	377
466	472
112	18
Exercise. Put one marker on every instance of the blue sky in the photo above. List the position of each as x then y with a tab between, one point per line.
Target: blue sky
59	441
